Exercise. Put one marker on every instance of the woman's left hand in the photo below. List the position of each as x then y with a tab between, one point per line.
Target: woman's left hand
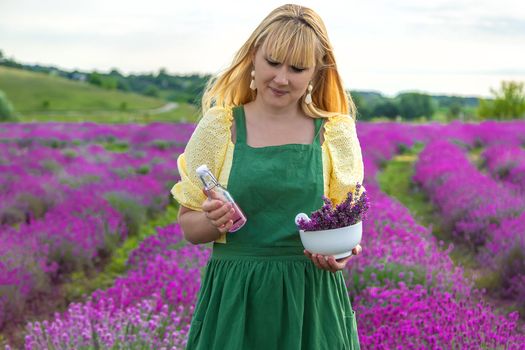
328	262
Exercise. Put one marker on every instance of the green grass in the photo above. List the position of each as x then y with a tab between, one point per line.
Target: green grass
474	156
396	180
42	97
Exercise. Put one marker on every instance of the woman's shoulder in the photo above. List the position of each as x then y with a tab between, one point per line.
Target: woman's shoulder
339	125
214	124
217	116
338	118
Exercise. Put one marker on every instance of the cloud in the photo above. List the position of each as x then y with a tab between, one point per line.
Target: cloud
375	39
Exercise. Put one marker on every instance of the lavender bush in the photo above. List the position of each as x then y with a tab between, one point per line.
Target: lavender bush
471	203
148	308
505	254
102	326
415	318
506	163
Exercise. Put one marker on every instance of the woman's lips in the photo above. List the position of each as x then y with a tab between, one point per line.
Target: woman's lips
278	92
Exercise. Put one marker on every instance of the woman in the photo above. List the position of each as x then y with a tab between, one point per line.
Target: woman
279	136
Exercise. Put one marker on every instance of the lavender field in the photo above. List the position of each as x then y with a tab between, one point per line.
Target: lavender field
72	194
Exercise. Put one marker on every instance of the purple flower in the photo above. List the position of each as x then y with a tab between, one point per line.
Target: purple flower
349	212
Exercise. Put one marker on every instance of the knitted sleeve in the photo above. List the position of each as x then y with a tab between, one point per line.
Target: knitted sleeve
209	144
345	158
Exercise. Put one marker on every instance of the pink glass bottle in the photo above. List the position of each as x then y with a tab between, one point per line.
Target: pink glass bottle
211	184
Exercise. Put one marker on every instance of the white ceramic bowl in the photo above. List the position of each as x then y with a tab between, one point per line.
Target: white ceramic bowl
338	242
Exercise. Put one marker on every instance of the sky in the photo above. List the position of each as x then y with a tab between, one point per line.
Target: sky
460	47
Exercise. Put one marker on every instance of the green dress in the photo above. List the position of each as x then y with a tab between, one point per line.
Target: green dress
259	290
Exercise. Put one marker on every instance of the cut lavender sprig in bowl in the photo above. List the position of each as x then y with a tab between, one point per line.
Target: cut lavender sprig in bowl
335	230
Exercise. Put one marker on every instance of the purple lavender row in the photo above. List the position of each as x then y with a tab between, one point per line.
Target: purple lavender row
134	134
481	211
507	164
417	318
69	237
87	326
149	307
471	203
485	133
504	252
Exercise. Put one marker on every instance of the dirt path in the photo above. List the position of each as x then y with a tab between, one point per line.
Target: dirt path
166	108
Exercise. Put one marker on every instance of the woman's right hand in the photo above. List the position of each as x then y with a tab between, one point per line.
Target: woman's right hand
218	213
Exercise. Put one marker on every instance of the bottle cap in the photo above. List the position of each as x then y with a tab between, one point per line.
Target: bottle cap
202	170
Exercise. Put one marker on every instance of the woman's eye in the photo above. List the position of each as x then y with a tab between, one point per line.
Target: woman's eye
272	63
297	69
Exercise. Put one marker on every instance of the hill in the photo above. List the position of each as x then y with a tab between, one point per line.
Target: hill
40	96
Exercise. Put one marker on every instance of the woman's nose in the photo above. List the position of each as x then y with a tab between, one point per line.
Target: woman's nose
281	76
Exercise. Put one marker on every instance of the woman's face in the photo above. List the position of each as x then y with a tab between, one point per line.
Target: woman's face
280	84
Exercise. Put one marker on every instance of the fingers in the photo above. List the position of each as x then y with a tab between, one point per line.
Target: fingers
212	194
327	262
324	262
225	227
357	250
219	214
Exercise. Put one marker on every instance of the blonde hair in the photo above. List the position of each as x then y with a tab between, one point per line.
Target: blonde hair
294	33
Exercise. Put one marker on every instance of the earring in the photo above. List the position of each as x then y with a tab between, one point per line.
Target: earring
252	83
308	97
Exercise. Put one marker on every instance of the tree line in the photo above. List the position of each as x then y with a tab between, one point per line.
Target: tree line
177	88
508	102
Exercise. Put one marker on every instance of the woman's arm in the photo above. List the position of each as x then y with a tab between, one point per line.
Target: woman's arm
207	225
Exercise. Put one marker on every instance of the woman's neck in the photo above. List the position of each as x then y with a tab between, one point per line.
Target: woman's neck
262	110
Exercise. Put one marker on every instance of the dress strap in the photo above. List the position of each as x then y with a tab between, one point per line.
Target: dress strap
240	124
318	127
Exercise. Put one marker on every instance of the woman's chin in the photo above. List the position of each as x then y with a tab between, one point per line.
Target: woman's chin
278	101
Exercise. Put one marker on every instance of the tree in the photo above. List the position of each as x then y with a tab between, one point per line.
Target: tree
508	102
109	82
360	103
115	72
151	90
387	109
413	105
6	109
454	111
95	79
